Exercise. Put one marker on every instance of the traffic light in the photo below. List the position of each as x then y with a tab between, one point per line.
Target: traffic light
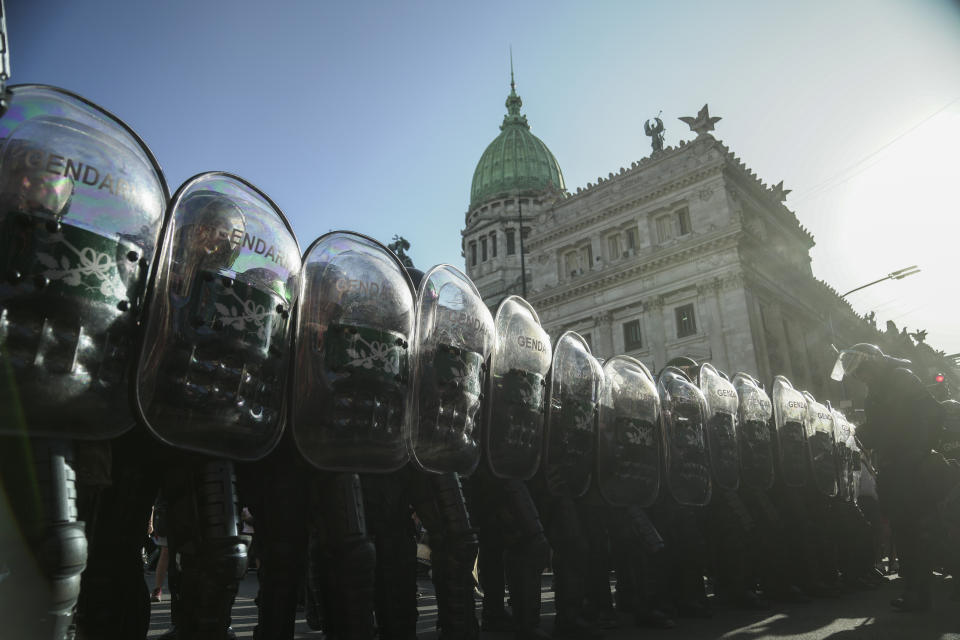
940	387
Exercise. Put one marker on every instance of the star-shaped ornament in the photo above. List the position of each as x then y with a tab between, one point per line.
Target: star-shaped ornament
702	123
779	192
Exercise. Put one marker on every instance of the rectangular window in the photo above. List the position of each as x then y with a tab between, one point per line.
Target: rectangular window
493	244
572	263
613	246
473	254
586	257
664	228
631	335
632	240
511	243
686	323
683	221
483	249
588	339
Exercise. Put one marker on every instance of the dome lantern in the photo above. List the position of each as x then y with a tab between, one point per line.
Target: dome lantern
516	162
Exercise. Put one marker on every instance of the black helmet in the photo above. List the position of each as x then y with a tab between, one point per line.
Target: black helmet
416	275
688	365
860	358
682	362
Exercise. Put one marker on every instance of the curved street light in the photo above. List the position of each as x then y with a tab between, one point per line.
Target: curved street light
896	275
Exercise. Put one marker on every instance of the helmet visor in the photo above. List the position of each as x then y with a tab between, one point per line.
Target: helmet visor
847	364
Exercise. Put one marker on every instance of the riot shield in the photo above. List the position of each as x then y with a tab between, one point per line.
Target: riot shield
820	445
789	419
352	350
628	447
513	430
212	372
454	336
684	430
856	464
81	207
843	437
722	404
575	382
756	447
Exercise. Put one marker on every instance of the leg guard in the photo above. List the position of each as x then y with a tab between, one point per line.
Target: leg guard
39	481
527	550
114	601
570	552
491	570
279	507
211	555
729	526
387	505
596	524
799	554
337	502
453	551
646	557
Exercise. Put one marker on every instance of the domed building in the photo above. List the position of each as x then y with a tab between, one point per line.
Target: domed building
516	178
686	252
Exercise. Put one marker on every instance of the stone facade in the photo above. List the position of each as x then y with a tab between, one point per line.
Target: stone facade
686	252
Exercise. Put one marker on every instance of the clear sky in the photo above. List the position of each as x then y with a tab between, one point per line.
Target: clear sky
371	116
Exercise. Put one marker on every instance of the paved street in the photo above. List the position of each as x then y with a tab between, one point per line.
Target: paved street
857	616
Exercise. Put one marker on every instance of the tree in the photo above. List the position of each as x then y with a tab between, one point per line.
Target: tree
400	246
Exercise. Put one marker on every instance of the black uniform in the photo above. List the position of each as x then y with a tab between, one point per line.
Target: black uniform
439	503
902	424
513	544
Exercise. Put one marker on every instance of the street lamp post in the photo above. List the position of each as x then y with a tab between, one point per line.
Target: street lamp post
900	274
523	266
896	275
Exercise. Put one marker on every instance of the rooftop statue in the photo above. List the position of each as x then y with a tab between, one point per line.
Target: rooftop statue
654	129
702	123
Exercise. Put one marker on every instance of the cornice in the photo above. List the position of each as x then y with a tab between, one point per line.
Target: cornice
545	236
747	178
657	157
609	276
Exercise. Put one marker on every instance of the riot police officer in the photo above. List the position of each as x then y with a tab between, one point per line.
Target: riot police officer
730	528
576	379
678	513
902	426
628	479
454	336
81	207
513	544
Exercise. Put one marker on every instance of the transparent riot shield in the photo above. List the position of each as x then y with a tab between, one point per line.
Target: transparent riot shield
687	456
628	447
513	430
843	437
856	464
821	447
753	430
355	321
454	336
722	405
789	419
213	367
81	207
576	379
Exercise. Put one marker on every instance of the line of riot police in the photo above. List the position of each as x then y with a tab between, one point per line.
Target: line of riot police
184	344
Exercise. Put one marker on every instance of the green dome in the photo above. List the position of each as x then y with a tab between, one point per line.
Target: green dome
516	160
